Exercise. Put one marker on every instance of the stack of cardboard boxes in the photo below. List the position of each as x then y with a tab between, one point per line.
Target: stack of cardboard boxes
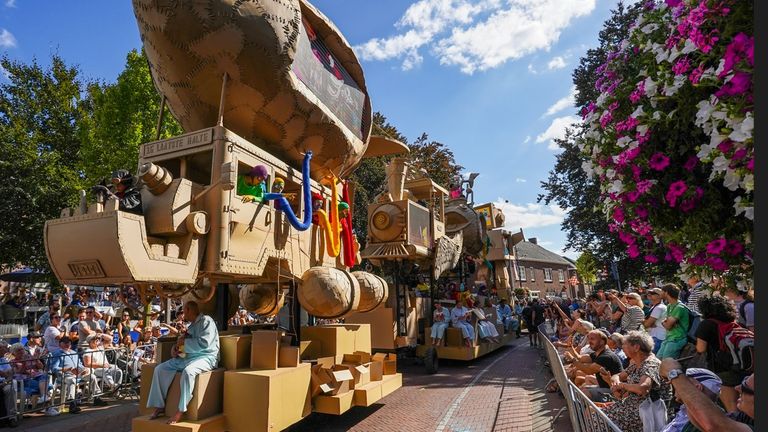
268	385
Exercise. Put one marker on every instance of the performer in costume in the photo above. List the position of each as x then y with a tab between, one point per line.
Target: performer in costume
441	319
460	320
251	186
200	354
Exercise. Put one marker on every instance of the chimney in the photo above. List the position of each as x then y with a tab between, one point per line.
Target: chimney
533	240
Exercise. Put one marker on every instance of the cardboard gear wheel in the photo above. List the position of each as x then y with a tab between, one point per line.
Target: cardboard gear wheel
328	292
374	290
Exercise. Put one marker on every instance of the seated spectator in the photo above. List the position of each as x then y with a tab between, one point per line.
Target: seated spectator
703	413
69	370
745	305
31	370
53	334
600	360
45	319
708	384
95	359
636	383
34	345
719	318
7	393
615	344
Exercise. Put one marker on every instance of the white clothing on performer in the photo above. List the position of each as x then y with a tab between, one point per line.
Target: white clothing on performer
440	323
458	320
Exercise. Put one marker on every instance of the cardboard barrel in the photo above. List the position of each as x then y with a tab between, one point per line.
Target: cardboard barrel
293	82
373	290
328	292
263	299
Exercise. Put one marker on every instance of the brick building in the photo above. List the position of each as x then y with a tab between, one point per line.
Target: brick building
539	269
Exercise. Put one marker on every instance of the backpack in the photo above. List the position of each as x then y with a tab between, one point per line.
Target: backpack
743	310
737	346
694	318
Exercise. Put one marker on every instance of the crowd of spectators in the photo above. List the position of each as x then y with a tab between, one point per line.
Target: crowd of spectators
84	347
685	356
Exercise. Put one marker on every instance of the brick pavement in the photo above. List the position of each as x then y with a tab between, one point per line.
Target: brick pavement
499	392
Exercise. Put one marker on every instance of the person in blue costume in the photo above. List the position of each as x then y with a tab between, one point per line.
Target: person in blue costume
196	351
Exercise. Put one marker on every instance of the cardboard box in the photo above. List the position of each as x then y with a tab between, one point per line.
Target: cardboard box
320	381
339	339
147	371
337	404
266	400
211	424
163	348
309	349
235	351
389	362
343	380
206	397
367	395
376	369
288	356
391	383
265	347
326	362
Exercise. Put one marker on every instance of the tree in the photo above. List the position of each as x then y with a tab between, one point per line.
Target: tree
124	117
41	110
435	158
586	267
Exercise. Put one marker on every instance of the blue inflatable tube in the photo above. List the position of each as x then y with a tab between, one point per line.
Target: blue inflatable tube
285	207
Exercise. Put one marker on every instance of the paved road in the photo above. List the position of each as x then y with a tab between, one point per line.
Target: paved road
499	392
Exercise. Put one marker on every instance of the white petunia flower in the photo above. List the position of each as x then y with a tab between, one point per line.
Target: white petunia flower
622	142
650	87
748	183
638	112
719	164
731	180
616	187
689	47
720	67
704	151
649	28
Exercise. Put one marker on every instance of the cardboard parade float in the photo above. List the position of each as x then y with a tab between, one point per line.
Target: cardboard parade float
270	95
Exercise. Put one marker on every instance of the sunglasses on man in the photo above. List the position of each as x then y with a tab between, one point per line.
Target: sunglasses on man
744	387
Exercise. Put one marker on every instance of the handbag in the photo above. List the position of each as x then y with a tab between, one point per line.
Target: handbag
653	414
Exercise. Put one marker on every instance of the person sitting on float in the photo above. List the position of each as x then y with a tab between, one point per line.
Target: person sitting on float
126	192
460	317
506	317
441	319
485	328
277	187
251	186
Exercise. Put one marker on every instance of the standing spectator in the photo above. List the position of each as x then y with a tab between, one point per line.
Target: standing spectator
639	381
719	318
656	316
708	384
90	326
45	319
53	334
538	319
705	414
676	324
124	326
745	306
696	288
632	314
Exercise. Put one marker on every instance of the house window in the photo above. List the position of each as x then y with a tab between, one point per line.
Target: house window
561	276
547	275
521	272
533	274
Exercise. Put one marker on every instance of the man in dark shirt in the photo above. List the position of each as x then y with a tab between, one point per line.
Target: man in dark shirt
598	363
126	192
528	318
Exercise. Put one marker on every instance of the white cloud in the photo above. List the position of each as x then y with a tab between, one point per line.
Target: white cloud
556	130
531	69
527	139
565	102
475	36
520	180
529	215
556	63
10	3
6	39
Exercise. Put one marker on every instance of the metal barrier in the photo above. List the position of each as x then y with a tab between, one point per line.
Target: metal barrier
585	415
88	382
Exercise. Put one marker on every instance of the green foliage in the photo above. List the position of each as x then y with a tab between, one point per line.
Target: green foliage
435	158
124	117
586	266
40	112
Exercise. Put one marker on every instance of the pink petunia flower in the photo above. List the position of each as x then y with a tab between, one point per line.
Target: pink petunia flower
641	212
659	161
739	84
626	238
734	248
676	251
751	165
681	66
633	251
716	246
676	190
717	264
652	259
695	75
618	214
691	163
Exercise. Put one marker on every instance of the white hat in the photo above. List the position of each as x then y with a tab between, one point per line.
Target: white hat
155	308
706	377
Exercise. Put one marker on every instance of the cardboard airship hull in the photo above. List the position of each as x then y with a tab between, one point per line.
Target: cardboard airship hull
293	82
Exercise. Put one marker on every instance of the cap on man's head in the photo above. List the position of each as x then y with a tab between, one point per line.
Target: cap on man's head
656	291
92	337
34	334
707	378
65	340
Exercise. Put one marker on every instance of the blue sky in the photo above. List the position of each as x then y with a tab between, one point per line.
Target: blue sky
489	78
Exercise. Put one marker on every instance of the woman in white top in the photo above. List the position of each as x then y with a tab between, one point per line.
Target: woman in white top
460	320
657	315
53	333
441	319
